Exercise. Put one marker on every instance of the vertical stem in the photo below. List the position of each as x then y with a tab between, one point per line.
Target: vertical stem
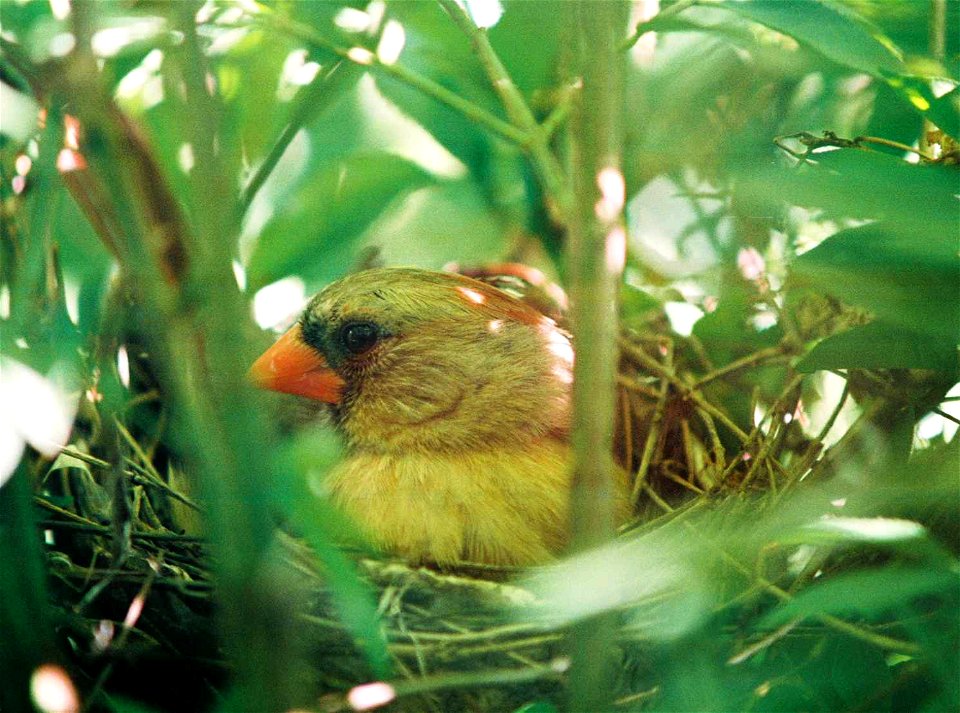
597	248
937	44
938	28
235	460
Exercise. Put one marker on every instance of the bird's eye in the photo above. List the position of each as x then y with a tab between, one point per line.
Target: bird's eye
359	337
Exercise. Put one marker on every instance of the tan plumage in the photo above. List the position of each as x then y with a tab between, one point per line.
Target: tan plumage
453	399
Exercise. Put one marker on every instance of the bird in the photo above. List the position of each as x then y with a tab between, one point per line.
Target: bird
453	400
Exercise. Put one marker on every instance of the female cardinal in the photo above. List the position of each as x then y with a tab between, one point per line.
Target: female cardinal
453	398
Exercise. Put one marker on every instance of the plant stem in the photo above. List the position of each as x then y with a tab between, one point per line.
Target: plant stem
596	256
937	44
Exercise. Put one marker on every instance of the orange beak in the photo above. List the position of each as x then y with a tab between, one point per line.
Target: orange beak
293	367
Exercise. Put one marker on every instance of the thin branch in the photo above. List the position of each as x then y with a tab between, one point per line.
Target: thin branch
742	363
653	434
943	414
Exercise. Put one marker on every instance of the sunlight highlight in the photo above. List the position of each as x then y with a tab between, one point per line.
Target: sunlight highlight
612	194
485	13
37	411
60	9
276	305
53	691
361	55
616	250
391	43
472	295
870	529
123	365
370	696
69	160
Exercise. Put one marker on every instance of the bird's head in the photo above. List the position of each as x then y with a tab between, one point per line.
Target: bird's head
413	360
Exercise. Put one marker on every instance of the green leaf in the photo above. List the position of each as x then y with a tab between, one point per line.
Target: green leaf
872	185
837	34
908	279
531	65
317	225
892	534
945	112
537	707
867	593
880	345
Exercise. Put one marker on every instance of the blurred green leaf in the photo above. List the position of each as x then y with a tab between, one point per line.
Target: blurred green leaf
906	537
905	277
945	112
317	224
920	200
531	65
880	345
868	593
654	574
311	516
839	35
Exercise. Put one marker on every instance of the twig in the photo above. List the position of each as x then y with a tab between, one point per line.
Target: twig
661	503
561	111
653	433
136	604
806	460
652	365
491	677
943	414
637	387
94	529
85	457
764	643
149	472
937	44
775	415
737	365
